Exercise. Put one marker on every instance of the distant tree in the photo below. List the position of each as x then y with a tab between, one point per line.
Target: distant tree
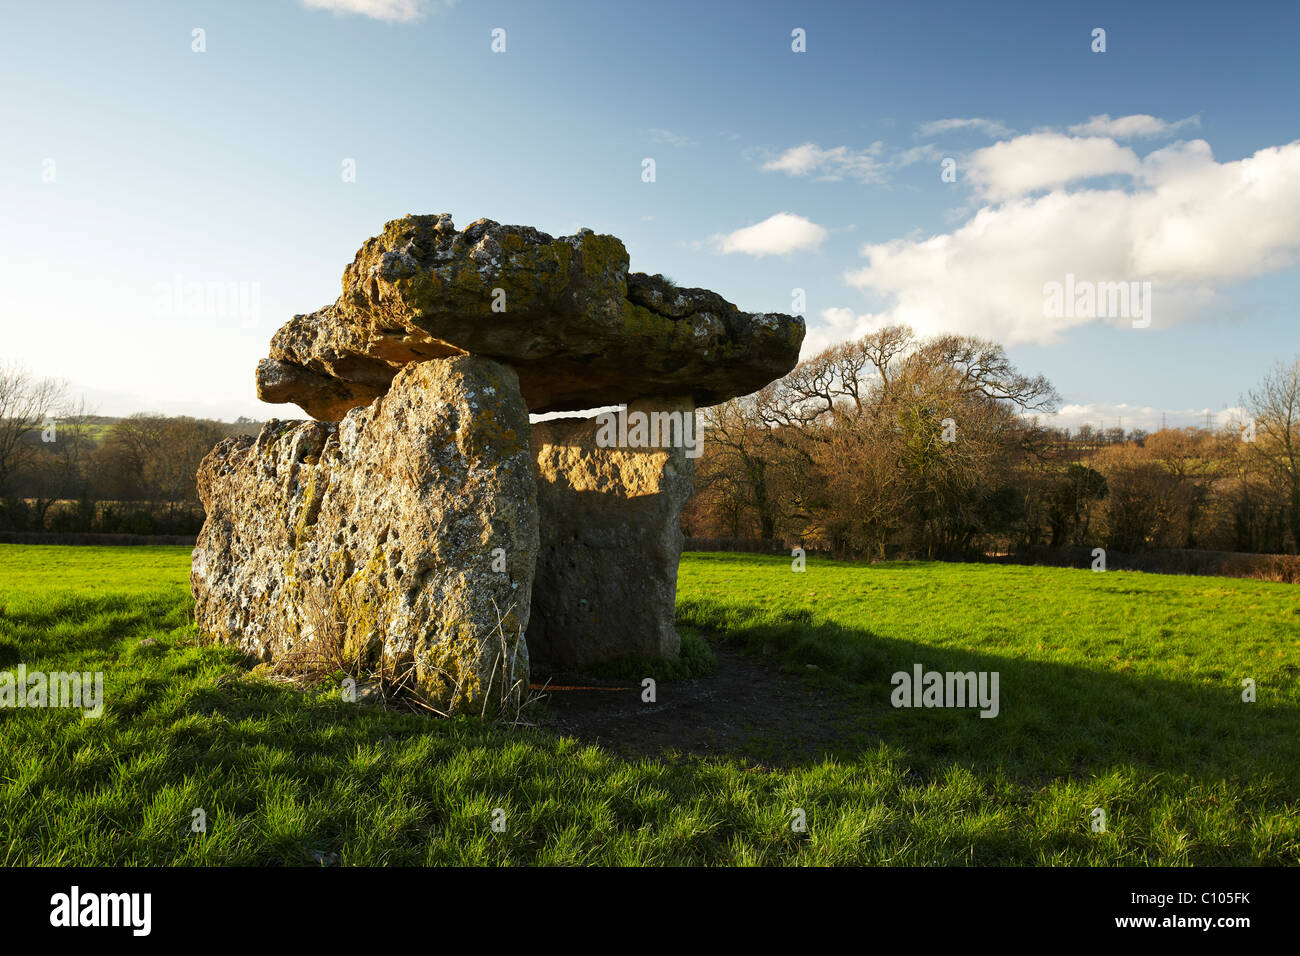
1068	504
154	459
887	439
26	405
1275	408
743	462
58	469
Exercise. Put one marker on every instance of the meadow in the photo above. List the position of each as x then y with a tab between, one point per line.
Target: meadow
1118	690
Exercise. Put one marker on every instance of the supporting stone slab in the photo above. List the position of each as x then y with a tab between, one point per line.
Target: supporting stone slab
403	538
606	580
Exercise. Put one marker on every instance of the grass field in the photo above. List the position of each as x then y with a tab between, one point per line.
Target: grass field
1119	691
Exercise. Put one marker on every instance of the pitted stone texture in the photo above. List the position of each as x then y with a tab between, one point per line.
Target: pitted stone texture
611	540
401	536
579	330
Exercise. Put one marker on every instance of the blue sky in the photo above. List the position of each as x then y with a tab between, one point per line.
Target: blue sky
131	163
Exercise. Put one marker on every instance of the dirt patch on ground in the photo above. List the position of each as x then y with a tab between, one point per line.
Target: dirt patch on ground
745	709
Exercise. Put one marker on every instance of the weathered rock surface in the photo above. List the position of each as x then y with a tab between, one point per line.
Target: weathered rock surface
579	330
606	580
404	537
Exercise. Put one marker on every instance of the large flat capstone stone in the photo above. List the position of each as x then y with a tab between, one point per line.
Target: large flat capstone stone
564	313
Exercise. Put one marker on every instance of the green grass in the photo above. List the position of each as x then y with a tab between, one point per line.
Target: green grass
1118	690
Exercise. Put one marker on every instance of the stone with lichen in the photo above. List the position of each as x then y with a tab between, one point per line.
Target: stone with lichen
611	541
401	540
578	329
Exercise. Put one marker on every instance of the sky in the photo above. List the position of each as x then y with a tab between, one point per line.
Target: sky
936	164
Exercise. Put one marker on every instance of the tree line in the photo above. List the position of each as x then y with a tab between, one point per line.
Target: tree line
892	445
899	445
64	469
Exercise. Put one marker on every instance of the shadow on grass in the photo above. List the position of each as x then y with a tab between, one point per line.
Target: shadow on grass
30	630
288	776
1054	719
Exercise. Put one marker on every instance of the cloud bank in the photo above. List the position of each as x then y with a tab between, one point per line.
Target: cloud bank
1139	125
1052	204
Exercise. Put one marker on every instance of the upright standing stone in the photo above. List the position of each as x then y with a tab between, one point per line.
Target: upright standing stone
404	537
611	539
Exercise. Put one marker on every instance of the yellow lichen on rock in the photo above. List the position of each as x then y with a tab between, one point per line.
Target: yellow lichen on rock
372	541
542	304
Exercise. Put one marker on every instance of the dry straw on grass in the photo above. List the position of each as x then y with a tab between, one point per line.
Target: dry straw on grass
319	654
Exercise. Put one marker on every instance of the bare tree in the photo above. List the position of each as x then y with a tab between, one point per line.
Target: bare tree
59	470
883	437
978	366
152	458
1275	407
737	428
26	404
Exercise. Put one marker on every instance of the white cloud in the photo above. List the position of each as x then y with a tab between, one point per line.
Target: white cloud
837	325
392	11
1180	220
1109	415
669	137
775	236
1026	164
834	163
924	153
1130	127
870	165
986	126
